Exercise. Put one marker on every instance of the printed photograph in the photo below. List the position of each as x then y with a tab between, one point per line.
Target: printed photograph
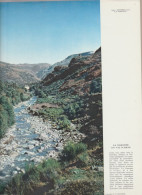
51	128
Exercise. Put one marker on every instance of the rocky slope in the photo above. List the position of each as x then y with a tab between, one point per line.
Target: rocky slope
79	76
64	63
21	73
31	73
76	90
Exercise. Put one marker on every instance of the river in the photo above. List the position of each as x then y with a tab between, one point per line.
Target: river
28	140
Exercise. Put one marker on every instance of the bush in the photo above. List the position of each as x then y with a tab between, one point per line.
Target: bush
23	183
83	159
57	115
3	122
6	115
71	150
96	86
74	109
2	187
64	122
50	165
10	94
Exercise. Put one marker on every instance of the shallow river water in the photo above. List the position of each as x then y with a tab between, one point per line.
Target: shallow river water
29	140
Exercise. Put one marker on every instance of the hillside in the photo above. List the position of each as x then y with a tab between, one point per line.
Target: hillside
80	74
69	103
80	83
31	73
64	62
71	97
21	73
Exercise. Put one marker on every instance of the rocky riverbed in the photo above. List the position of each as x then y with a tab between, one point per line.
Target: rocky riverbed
30	140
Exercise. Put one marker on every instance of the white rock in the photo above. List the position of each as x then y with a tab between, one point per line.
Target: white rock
15	172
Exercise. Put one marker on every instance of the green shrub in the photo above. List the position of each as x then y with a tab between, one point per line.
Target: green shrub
50	165
10	94
77	174
63	122
2	187
83	159
57	115
23	183
71	150
96	86
3	121
6	115
74	108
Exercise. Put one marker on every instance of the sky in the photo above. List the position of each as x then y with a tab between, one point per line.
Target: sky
48	32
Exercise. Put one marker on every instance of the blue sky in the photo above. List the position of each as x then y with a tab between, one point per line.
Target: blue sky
33	32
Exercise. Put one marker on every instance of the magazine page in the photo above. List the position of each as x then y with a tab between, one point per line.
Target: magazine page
51	131
121	73
70	97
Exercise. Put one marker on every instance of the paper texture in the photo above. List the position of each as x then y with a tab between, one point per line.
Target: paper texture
121	70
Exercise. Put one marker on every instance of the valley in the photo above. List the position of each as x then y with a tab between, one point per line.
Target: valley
21	73
56	143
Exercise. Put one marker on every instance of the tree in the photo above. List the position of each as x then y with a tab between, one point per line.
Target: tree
7	106
96	86
3	121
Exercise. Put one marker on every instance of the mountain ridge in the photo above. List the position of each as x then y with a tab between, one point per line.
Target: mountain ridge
64	62
79	74
21	73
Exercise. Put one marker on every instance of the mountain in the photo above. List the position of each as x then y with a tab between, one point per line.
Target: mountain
78	75
64	62
78	88
21	73
31	73
71	97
